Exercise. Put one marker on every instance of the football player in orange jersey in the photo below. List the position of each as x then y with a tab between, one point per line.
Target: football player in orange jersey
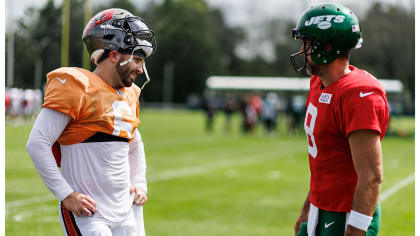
91	119
346	118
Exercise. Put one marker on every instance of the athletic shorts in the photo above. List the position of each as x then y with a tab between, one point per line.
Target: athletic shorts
97	225
327	223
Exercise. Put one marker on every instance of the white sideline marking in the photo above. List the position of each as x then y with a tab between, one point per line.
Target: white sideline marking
167	175
29	201
41	209
401	184
172	174
197	170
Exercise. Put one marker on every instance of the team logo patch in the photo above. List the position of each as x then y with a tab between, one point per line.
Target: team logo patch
324	22
325	98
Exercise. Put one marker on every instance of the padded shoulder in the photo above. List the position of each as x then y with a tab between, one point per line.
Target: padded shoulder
66	90
78	75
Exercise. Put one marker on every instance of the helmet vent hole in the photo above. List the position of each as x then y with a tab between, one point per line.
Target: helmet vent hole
338	9
323	7
108	36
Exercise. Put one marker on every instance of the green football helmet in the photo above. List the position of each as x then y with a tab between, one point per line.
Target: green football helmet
331	30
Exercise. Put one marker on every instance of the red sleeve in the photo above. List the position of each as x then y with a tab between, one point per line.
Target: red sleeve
362	110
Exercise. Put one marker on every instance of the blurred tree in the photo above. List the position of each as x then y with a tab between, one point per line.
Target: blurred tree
38	37
388	47
195	40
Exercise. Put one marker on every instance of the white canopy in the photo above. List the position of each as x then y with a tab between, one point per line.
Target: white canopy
278	83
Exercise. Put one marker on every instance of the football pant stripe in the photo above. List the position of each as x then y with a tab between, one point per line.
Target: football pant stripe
69	222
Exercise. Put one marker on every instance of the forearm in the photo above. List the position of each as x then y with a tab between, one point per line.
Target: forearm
366	197
47	128
137	161
367	159
306	205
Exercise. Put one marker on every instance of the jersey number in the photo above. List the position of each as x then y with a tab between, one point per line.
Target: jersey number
311	112
119	124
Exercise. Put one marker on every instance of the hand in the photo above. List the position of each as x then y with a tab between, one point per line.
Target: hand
139	196
302	218
80	204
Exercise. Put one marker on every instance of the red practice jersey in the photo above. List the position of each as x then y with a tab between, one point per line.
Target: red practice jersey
356	101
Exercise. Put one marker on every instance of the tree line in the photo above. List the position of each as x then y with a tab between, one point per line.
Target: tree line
195	41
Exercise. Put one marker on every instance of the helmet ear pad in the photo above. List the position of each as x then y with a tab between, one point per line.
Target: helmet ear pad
325	53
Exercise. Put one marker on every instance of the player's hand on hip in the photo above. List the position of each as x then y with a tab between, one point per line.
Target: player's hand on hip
80	204
139	196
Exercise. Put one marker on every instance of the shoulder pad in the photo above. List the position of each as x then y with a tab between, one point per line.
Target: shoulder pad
66	89
70	73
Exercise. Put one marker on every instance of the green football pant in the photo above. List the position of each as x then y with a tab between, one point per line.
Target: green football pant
334	223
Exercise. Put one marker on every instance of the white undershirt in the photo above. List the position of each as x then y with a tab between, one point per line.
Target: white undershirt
103	170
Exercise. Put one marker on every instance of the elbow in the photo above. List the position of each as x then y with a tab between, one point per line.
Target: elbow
376	181
30	146
372	181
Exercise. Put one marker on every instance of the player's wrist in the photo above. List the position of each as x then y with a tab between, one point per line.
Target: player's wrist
359	220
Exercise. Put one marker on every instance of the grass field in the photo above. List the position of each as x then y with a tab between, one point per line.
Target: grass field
211	184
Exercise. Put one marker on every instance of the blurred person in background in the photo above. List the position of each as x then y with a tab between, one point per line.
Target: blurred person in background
346	119
229	107
256	102
249	113
16	97
209	105
28	103
296	110
269	112
8	101
91	118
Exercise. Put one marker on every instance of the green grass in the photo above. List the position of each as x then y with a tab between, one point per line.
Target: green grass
215	183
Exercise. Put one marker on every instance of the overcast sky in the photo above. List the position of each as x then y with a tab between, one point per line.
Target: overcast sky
251	14
237	12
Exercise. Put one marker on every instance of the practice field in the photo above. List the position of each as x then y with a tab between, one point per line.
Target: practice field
215	183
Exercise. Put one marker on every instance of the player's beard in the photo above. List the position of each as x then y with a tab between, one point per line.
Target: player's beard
312	69
124	72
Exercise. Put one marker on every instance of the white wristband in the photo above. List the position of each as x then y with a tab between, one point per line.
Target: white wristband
359	220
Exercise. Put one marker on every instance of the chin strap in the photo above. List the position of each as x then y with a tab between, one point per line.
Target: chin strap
129	60
147	75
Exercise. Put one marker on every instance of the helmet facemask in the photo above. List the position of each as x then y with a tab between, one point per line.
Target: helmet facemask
137	35
302	55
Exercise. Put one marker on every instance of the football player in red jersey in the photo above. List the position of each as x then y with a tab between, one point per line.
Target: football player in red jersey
93	117
346	119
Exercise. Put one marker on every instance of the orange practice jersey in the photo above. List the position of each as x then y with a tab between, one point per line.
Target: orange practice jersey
93	105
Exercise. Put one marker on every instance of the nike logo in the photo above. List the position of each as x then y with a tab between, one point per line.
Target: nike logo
328	225
362	95
61	80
